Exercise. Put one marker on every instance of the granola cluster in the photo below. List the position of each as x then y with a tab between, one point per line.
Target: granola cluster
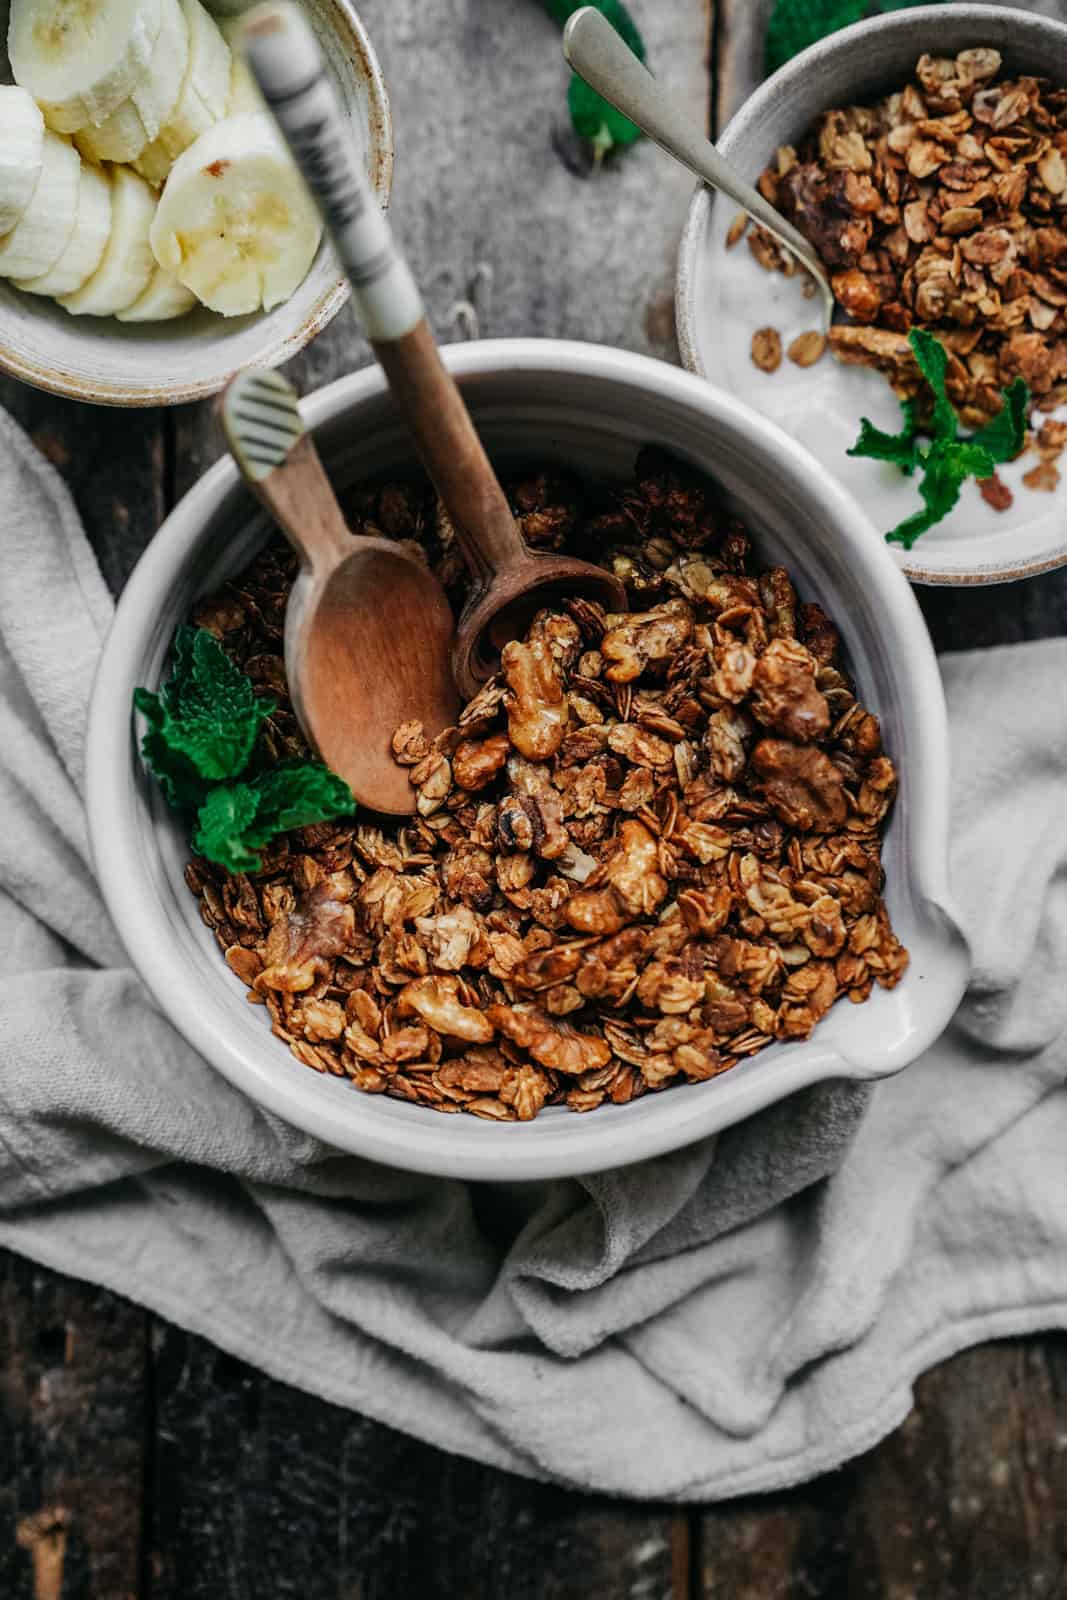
649	847
941	207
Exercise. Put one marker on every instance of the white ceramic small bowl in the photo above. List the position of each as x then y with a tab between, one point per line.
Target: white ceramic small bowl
721	296
163	363
591	409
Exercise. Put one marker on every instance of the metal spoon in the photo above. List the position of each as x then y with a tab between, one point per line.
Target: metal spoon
368	628
599	55
509	580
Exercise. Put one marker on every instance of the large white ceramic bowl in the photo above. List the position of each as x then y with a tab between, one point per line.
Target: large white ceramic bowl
722	296
161	363
589	408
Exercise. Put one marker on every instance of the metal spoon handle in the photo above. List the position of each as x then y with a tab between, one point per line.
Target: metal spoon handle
599	55
286	62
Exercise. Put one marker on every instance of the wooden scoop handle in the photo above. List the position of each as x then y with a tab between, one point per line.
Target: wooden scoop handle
285	60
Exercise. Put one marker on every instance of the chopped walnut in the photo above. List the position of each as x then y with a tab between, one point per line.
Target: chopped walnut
647	850
767	349
939	207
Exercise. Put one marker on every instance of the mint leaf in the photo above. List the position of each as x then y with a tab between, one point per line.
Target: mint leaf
207	712
900	448
1005	435
237	819
228	810
795	24
592	117
945	466
932	357
295	794
175	773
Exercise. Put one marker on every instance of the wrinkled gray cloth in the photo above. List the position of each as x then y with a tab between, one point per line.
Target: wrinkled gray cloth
735	1317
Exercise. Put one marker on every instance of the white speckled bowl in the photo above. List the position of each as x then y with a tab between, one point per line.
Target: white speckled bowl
148	364
717	311
590	408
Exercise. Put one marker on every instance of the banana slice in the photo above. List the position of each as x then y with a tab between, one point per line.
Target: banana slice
126	264
43	232
202	100
87	243
244	91
235	222
21	144
80	59
164	299
137	121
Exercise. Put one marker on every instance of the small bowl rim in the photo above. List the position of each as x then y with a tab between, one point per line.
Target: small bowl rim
546	1151
807	65
356	42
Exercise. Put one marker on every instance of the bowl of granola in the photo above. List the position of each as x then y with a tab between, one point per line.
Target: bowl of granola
670	865
924	153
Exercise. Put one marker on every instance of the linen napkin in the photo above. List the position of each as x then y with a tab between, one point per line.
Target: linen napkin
737	1316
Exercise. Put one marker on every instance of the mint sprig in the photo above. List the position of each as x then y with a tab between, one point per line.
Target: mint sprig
592	118
949	459
201	744
796	24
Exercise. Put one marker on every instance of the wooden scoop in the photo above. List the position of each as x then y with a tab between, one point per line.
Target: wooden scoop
508	580
368	627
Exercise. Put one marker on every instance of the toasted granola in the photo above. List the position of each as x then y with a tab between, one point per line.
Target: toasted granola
649	848
941	206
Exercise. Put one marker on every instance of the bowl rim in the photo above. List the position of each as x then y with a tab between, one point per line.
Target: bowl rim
113	804
356	43
807	65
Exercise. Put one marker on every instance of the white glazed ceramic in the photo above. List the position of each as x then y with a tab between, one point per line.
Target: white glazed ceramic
161	363
723	296
590	408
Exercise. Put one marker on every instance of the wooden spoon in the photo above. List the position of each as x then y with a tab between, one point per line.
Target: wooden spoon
509	581
368	628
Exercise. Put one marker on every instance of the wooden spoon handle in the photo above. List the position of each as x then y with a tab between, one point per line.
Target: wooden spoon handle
452	454
285	60
261	419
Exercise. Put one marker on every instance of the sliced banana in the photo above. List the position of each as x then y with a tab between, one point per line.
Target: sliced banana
21	144
80	59
85	249
202	100
137	121
126	265
235	222
43	232
244	91
164	299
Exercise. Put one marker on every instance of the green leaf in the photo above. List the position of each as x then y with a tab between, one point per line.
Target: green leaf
900	448
945	466
932	358
177	777
229	809
206	712
295	794
1005	435
795	24
237	819
591	116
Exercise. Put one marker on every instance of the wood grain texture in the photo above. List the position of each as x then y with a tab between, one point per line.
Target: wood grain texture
507	229
71	1441
962	1503
112	462
260	1491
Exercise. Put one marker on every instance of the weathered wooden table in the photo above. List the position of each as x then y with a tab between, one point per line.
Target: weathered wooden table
135	1459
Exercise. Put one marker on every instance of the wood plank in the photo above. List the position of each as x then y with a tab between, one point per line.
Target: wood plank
113	463
506	227
261	1490
961	1503
72	1360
